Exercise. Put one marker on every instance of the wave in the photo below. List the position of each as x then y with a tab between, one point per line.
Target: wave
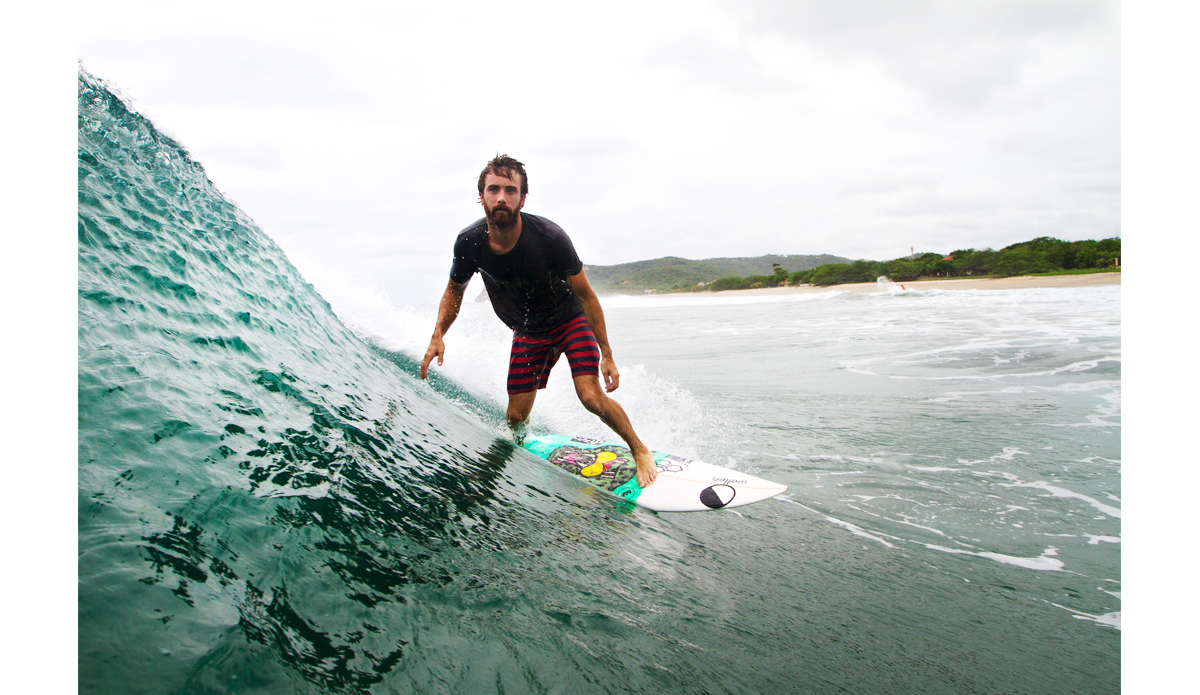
266	500
270	500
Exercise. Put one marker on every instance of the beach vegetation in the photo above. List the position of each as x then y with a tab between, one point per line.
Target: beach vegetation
681	274
1040	256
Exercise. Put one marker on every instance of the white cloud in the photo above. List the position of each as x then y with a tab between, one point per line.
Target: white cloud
354	133
957	53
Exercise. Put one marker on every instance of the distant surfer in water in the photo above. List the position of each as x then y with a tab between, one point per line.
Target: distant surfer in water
538	289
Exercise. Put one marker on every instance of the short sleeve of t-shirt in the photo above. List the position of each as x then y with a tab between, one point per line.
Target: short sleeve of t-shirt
564	260
466	252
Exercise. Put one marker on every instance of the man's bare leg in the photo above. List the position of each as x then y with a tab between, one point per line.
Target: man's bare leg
587	387
519	407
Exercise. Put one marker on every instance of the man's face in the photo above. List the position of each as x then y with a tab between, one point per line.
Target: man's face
502	199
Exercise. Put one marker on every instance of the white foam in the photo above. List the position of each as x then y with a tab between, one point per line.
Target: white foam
856	530
1063	492
900	521
1008	453
1109	619
885	284
1045	563
624	301
1108	409
369	313
665	415
1003	345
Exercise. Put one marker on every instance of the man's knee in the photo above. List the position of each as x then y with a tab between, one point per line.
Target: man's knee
516	415
519	407
592	398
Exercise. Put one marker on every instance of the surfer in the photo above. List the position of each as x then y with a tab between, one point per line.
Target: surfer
538	288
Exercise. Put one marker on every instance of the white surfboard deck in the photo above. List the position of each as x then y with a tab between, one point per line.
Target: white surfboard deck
682	485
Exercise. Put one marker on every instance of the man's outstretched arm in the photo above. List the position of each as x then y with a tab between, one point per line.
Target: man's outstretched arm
595	317
447	312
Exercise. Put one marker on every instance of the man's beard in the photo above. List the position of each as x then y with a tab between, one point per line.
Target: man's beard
502	217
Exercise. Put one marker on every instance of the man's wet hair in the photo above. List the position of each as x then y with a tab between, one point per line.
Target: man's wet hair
503	165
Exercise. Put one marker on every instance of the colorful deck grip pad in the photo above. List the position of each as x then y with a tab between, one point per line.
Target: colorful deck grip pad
608	466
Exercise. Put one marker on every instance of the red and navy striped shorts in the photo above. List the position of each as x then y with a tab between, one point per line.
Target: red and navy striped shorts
533	355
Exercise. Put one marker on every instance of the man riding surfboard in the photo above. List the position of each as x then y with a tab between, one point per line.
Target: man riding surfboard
539	289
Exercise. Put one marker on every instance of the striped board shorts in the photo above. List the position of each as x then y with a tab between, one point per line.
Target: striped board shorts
533	355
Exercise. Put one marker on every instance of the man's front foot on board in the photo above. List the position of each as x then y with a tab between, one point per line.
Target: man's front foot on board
646	470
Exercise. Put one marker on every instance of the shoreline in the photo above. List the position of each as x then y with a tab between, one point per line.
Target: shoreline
1011	283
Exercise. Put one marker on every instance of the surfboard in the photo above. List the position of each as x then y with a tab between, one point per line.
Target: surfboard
682	485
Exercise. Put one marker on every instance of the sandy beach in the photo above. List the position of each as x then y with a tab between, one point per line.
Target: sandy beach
956	284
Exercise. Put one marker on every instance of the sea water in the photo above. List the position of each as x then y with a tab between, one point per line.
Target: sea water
271	501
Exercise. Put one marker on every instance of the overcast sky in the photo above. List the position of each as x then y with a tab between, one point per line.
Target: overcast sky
353	134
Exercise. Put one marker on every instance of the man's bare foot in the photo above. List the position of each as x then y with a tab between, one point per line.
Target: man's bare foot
646	470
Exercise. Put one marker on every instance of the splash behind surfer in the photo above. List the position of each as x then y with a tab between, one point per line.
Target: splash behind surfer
539	289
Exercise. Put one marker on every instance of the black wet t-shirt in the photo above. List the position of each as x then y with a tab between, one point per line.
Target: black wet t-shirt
528	285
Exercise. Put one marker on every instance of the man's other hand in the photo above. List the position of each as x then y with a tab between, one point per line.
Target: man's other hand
437	349
612	378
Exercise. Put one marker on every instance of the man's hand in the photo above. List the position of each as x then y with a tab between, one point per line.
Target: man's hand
437	349
612	378
447	310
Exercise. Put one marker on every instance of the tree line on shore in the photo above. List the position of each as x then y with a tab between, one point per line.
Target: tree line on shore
1041	255
673	273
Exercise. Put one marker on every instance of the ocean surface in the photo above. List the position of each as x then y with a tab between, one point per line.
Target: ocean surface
270	501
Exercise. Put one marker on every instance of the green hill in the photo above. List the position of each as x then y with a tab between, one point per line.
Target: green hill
665	274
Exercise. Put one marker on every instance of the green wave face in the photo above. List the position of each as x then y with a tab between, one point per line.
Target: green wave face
267	503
